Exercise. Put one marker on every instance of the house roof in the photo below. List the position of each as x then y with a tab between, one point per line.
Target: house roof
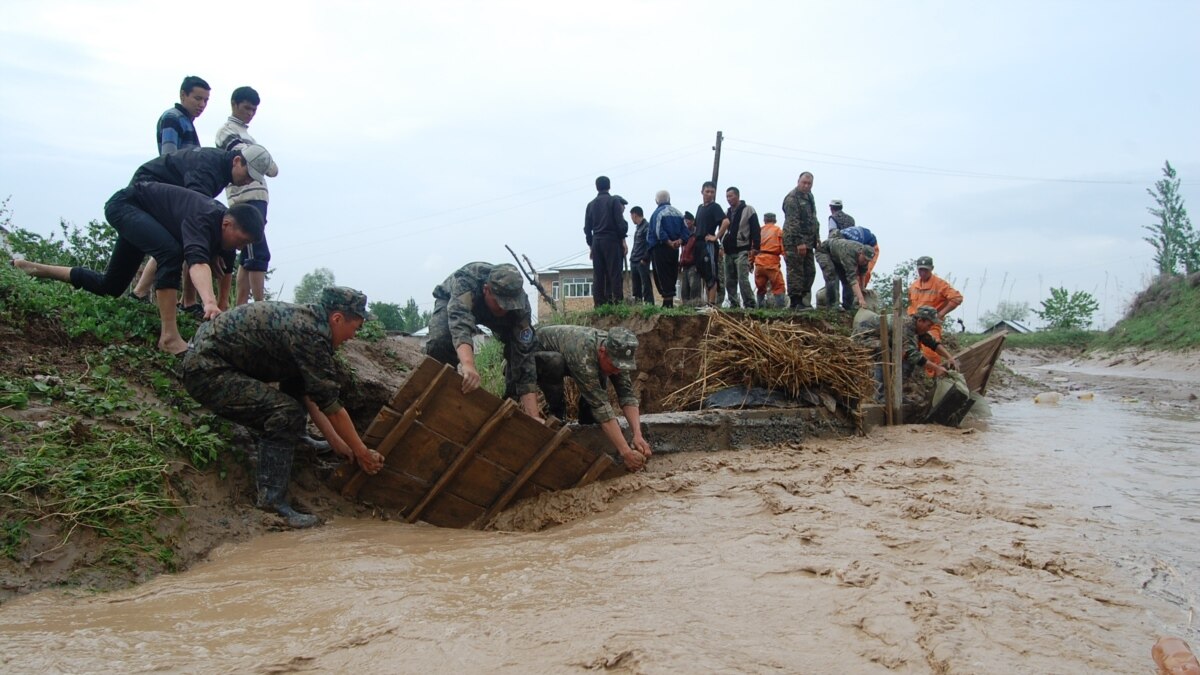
1015	326
579	261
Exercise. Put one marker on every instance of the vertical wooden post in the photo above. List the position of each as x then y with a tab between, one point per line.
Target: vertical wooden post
717	156
897	383
887	366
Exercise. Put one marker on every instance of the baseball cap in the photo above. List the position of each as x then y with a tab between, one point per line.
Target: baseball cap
508	286
836	202
927	312
259	162
924	263
621	345
344	299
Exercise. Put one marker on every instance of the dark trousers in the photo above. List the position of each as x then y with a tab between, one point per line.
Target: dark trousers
257	257
666	271
847	289
643	288
138	235
607	259
551	370
439	343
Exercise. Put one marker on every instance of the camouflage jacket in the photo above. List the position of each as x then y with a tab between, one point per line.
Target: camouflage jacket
866	333
272	342
800	224
461	295
845	252
840	220
579	346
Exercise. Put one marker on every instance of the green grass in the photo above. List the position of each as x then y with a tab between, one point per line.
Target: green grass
115	420
1048	339
1165	316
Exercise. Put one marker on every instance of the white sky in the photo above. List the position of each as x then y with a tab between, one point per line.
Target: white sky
414	137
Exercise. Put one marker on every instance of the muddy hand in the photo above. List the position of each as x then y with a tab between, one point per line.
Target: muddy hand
642	446
370	461
470	378
634	461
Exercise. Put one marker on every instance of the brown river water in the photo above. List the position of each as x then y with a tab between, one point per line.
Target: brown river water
1050	539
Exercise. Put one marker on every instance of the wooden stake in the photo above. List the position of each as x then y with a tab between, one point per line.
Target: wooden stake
897	381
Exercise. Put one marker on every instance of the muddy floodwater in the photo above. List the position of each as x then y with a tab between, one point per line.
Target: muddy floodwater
1050	539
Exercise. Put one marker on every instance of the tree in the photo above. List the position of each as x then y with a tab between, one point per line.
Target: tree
881	285
1176	245
1005	311
388	314
414	318
1068	310
311	284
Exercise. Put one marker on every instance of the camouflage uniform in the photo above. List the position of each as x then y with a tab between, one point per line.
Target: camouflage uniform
800	226
843	257
866	333
232	358
828	296
578	348
459	307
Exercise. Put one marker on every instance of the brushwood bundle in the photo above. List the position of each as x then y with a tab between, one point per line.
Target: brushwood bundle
780	357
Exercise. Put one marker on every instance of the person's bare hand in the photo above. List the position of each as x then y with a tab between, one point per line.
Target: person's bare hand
952	364
634	461
211	310
370	461
470	378
341	448
640	444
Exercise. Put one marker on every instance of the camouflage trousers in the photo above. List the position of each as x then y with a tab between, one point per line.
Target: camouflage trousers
439	344
801	273
827	296
237	397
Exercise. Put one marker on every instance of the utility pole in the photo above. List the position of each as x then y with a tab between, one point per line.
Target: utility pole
717	156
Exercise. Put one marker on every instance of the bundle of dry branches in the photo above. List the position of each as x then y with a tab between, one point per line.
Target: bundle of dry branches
781	357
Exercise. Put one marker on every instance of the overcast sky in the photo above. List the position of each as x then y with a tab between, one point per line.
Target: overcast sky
1013	141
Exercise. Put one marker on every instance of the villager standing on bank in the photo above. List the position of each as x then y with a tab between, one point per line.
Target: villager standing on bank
666	236
801	234
708	223
639	258
740	239
593	358
605	230
691	286
234	360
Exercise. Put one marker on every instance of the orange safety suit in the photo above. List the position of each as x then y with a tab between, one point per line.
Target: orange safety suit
938	294
766	263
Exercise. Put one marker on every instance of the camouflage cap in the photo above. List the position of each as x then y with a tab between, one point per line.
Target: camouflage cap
507	286
621	345
344	299
924	263
927	312
768	217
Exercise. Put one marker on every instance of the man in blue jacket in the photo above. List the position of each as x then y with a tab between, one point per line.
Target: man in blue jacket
666	236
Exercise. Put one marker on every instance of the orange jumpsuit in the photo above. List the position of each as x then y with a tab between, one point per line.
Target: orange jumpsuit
766	263
937	294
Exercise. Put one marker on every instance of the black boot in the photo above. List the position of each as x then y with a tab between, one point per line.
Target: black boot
274	474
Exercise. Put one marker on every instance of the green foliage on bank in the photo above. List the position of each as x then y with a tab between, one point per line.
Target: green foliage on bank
1164	316
93	418
1045	339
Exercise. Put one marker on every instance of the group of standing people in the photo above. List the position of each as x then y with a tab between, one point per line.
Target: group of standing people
732	255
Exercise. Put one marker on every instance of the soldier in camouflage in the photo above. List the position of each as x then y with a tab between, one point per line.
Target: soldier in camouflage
847	257
593	358
801	234
233	358
483	294
838	221
916	335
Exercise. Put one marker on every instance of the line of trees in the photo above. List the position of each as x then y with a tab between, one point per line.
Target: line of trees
408	318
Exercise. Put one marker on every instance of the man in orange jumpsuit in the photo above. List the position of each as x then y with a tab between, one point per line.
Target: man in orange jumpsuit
766	263
930	289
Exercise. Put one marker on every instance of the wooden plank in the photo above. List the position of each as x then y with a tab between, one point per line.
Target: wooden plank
524	476
397	432
889	402
393	489
502	413
384	420
897	381
425	454
602	464
519	443
448	510
977	361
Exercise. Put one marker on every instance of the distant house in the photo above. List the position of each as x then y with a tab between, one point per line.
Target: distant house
570	284
1010	326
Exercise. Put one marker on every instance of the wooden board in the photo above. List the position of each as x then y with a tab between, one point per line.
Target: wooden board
977	361
457	460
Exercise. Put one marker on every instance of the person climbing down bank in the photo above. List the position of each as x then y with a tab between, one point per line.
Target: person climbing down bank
233	360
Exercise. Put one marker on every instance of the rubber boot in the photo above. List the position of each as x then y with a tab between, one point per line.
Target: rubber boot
314	444
780	301
274	474
762	299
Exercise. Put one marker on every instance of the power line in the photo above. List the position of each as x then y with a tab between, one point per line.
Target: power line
899	167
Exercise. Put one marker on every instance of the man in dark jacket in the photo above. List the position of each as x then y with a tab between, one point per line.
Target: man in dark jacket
708	249
639	257
666	236
605	230
174	225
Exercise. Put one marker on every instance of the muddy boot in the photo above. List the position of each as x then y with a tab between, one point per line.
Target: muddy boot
762	299
274	474
780	301
668	302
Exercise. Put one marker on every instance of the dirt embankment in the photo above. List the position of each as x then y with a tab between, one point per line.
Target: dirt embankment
1131	374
